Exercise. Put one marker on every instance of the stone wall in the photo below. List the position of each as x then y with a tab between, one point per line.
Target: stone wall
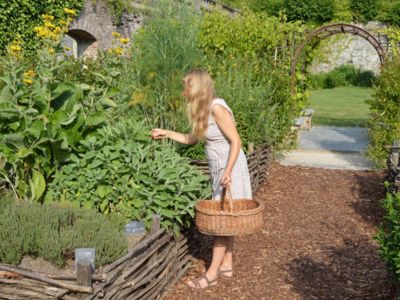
92	29
349	49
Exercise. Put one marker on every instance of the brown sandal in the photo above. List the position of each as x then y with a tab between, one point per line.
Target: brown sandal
197	285
224	272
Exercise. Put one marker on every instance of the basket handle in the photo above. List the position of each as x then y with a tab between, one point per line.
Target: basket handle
227	198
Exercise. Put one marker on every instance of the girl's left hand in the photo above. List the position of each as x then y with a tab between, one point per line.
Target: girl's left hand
226	178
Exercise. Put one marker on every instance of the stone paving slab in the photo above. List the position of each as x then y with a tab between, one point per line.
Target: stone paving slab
327	160
331	148
345	139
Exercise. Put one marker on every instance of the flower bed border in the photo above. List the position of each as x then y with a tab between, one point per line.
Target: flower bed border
149	269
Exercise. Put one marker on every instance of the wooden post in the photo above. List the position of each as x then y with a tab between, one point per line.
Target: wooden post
155	224
250	147
84	273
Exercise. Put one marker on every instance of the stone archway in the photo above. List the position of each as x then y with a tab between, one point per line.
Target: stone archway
333	29
81	42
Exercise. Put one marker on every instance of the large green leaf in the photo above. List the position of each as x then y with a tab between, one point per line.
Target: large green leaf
38	185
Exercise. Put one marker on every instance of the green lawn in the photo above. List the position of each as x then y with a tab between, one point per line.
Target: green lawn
344	106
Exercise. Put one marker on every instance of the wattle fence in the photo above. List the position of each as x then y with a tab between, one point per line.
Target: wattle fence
394	168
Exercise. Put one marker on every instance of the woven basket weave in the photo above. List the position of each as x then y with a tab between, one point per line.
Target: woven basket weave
228	217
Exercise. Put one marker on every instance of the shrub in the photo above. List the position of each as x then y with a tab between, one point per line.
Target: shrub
44	114
319	11
345	75
364	10
254	84
122	170
389	234
54	231
260	103
393	15
384	125
270	7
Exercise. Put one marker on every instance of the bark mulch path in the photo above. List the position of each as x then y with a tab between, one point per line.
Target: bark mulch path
317	241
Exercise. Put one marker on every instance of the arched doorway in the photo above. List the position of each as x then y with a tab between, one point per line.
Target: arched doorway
81	43
330	30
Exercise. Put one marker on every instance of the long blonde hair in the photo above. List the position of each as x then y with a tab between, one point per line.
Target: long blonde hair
200	92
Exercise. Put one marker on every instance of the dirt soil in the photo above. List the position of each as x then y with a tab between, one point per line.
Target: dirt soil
317	241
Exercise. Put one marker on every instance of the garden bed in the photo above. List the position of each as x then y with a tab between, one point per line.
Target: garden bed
146	272
150	267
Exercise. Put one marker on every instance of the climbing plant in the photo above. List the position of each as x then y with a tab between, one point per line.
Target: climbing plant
18	18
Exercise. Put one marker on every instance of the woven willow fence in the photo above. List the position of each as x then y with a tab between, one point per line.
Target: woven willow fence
394	168
146	272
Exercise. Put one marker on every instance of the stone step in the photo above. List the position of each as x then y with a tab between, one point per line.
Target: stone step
326	159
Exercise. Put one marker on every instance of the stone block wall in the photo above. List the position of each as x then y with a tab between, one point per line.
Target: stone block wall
349	49
93	28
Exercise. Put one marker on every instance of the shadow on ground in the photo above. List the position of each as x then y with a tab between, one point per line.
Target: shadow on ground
349	272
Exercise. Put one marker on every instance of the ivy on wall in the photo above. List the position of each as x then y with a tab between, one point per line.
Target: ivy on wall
19	17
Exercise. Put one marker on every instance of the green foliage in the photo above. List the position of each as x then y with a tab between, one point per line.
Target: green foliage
19	17
384	126
54	231
316	11
364	10
43	116
122	170
248	34
259	96
270	7
345	75
393	15
164	50
389	234
241	53
319	11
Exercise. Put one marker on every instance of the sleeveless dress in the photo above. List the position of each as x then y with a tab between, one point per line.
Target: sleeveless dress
217	150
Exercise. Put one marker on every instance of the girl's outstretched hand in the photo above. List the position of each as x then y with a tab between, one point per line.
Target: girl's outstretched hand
158	133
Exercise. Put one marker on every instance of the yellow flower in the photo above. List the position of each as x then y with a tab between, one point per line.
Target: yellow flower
47	17
151	75
69	11
41	31
124	40
50	50
136	98
57	30
29	74
116	34
62	22
15	48
27	81
49	24
118	50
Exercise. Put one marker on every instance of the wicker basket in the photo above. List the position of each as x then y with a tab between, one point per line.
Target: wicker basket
228	217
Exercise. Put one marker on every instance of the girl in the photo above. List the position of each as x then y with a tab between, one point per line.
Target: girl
212	120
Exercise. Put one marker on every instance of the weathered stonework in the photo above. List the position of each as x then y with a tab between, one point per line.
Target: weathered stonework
349	49
92	30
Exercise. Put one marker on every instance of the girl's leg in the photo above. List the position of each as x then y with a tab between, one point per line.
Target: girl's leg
219	249
228	257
